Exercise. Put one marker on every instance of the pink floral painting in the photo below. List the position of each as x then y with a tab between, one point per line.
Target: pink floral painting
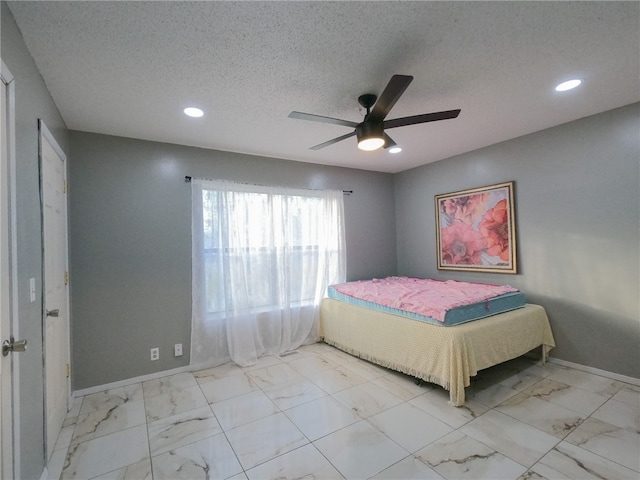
475	229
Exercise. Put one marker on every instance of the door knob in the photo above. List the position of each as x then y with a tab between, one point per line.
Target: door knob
53	313
13	346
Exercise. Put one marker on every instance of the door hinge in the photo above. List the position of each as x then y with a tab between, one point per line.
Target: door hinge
64	186
68	370
66	278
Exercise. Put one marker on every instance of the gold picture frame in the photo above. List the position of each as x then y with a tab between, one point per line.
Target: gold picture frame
476	230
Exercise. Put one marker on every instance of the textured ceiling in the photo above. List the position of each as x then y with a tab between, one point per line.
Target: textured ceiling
129	68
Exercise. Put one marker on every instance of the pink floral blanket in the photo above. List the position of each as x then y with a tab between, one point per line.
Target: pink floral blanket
432	298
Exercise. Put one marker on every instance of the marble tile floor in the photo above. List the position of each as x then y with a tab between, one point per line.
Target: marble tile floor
322	414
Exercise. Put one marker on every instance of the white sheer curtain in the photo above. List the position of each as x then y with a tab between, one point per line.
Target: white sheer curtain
262	260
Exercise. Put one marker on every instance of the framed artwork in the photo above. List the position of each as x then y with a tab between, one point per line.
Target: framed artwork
476	230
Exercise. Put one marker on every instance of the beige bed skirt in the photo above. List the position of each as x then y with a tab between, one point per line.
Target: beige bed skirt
447	356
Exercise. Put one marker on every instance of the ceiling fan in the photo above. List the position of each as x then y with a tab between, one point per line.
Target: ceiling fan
370	133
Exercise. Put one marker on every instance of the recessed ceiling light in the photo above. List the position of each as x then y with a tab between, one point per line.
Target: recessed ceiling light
193	112
395	150
568	85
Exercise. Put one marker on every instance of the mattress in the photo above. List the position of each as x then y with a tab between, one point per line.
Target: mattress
443	303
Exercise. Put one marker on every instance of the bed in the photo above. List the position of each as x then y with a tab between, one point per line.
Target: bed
445	355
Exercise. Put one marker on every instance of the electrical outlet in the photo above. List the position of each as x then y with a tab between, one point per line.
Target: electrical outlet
155	354
177	350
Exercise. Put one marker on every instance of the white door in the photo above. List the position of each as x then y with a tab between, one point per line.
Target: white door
56	315
6	361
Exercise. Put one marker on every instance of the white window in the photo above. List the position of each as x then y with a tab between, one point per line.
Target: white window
266	255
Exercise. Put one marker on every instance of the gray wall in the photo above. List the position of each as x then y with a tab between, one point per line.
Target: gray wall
130	243
32	102
578	223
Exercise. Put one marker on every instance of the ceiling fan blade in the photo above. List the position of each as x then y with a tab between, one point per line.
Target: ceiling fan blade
426	117
331	142
392	92
320	118
388	142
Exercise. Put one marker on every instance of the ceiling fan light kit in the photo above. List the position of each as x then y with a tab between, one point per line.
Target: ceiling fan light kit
370	136
370	133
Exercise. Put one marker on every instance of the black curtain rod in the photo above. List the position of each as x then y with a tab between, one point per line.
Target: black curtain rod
187	179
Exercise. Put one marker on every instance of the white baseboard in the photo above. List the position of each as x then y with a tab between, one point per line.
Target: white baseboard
191	368
130	381
596	371
142	378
